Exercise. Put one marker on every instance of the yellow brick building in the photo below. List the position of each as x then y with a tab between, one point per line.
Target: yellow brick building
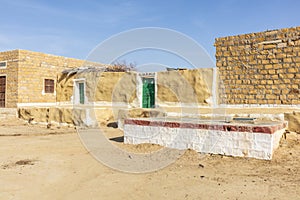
28	77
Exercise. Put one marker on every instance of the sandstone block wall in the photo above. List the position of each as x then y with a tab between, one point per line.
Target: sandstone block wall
260	68
11	73
25	74
34	67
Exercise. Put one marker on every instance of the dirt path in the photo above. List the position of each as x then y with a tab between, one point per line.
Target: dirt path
39	164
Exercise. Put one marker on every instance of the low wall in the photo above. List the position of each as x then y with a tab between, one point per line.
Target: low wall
245	140
85	116
59	115
103	115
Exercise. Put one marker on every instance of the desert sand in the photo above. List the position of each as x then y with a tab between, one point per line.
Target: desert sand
37	162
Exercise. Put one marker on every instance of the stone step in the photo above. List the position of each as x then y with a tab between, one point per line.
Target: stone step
8	113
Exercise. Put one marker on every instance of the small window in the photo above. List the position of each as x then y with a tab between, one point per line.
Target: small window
3	64
49	86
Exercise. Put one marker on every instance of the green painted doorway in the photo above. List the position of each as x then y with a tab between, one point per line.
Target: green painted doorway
148	98
81	93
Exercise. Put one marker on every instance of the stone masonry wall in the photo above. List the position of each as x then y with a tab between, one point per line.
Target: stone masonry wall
260	68
11	73
34	67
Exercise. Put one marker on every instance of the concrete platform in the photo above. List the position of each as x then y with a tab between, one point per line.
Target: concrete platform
257	140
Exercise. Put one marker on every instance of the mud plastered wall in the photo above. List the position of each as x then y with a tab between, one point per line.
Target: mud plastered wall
185	86
11	73
109	92
118	87
260	68
49	115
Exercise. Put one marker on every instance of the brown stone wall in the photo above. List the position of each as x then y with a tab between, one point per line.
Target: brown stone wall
11	73
34	67
260	68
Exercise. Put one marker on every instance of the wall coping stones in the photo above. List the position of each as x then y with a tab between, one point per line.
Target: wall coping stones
267	128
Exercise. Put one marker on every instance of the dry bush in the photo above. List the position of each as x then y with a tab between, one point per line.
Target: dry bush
121	67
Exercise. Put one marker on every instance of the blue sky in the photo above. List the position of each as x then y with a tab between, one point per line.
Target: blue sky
74	28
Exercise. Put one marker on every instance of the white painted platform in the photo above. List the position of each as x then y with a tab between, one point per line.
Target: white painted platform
245	140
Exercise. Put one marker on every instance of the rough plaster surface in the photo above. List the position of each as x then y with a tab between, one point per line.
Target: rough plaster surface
294	121
100	86
185	86
75	116
64	88
85	116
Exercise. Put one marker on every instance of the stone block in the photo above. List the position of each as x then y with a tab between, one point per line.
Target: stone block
270	46
281	45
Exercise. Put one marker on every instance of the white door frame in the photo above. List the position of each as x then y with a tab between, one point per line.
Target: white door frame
139	86
76	92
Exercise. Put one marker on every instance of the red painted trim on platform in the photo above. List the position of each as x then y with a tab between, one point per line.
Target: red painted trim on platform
230	127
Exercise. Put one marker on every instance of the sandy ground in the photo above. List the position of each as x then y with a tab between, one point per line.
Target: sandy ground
41	163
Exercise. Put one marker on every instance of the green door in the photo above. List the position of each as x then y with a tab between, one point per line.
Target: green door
148	98
81	93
